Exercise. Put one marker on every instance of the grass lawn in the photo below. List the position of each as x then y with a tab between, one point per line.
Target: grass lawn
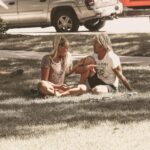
133	44
86	122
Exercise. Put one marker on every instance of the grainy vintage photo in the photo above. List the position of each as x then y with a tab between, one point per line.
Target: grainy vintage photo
71	78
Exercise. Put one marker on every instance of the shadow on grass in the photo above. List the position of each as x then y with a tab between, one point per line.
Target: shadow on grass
17	86
19	120
43	43
138	76
133	44
23	116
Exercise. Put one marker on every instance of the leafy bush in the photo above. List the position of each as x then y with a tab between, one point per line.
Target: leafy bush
3	27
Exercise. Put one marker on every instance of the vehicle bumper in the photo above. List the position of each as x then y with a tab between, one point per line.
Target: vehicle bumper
109	10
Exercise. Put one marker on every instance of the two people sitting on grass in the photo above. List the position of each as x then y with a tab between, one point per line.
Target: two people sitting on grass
102	69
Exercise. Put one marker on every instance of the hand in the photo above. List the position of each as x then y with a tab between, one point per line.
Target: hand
64	87
77	67
91	68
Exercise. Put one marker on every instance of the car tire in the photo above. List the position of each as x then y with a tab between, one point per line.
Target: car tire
66	21
95	24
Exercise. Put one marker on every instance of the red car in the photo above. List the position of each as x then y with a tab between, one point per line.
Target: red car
136	7
136	3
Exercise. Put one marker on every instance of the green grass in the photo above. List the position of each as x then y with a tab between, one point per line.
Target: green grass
133	44
89	122
20	110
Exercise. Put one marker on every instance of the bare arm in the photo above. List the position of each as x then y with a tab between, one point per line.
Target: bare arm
2	72
84	64
118	72
45	73
75	67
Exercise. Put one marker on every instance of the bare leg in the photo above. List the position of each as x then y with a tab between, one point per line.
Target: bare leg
100	89
46	88
80	89
13	73
4	72
84	76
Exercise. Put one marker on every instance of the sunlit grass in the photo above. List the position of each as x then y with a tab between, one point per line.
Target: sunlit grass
87	122
24	115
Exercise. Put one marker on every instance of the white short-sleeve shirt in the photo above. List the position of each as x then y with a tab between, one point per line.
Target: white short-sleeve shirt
105	68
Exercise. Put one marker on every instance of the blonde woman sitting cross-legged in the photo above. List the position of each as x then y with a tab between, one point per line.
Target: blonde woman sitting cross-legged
54	67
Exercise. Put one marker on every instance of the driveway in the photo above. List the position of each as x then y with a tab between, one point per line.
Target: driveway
121	25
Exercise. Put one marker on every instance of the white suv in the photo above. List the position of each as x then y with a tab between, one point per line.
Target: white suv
64	15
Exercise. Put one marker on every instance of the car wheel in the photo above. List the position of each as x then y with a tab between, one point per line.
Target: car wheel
66	22
95	24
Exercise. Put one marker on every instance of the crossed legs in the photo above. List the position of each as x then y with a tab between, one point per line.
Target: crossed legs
48	88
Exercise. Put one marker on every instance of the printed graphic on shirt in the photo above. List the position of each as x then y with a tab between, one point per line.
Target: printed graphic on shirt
57	78
58	72
101	67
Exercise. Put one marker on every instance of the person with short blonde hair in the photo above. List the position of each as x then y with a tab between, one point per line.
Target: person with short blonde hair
102	69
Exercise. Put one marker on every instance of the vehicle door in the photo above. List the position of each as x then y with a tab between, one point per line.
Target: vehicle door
33	12
8	11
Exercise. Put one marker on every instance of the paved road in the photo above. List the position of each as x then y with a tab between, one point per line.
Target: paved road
121	25
39	55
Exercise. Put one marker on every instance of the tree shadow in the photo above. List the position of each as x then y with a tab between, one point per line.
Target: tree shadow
17	85
19	119
25	117
133	44
43	43
138	76
20	86
22	116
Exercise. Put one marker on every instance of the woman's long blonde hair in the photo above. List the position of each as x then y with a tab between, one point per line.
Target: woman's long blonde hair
104	40
59	40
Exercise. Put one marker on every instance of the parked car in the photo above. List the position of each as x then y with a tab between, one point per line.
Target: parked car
64	15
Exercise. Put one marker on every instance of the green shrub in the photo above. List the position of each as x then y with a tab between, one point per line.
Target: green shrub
3	28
